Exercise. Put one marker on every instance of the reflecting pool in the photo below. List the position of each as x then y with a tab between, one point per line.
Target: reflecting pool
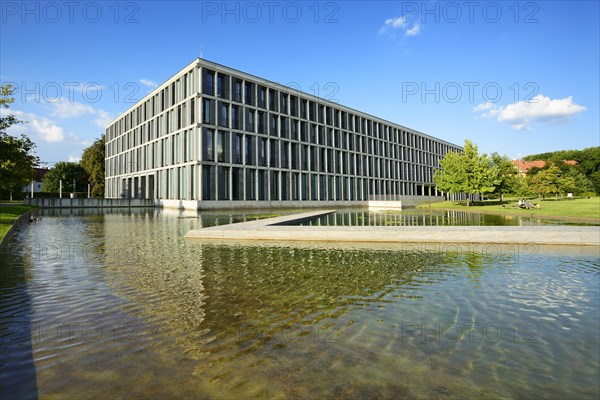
117	304
425	217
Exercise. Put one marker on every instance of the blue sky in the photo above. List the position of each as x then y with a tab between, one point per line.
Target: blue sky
514	77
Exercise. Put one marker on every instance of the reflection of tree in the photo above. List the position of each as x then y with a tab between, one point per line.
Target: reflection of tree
474	262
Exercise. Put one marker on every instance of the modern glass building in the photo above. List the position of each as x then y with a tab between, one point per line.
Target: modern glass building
215	137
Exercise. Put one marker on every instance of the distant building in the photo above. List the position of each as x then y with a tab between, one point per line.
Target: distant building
215	137
38	181
525	166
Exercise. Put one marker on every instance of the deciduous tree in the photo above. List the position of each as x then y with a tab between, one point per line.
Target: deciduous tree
550	180
92	161
507	175
17	157
68	172
466	172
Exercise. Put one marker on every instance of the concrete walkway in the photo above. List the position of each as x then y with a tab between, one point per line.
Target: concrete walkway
280	229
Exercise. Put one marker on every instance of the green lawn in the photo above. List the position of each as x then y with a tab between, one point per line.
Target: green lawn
568	208
9	214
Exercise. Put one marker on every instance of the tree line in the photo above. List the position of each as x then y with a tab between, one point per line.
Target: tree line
496	175
588	161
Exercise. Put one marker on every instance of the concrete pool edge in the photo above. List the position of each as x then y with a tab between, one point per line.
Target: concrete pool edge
280	229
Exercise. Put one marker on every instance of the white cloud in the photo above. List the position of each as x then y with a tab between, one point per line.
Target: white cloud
149	83
414	30
46	128
104	118
396	22
484	106
63	108
391	25
521	127
74	159
540	109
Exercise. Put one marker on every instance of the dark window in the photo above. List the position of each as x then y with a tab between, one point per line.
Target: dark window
249	93
262	152
249	120
303	132
313	133
294	129
272	100
208	182
207	144
303	108
237	91
237	149
193	111
313	159
293	106
223	146
235	117
260	122
262	184
283	105
237	184
284	186
322	139
273	153
223	114
274	185
262	97
223	86
273	124
284	127
294	157
249	150
208	111
312	108
223	174
208	84
250	185
304	158
330	161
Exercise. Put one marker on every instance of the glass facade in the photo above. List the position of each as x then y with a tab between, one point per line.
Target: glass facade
211	133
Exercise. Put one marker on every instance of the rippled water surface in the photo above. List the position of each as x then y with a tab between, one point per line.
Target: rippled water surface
119	305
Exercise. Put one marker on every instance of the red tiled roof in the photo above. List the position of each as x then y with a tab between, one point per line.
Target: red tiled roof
525	166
